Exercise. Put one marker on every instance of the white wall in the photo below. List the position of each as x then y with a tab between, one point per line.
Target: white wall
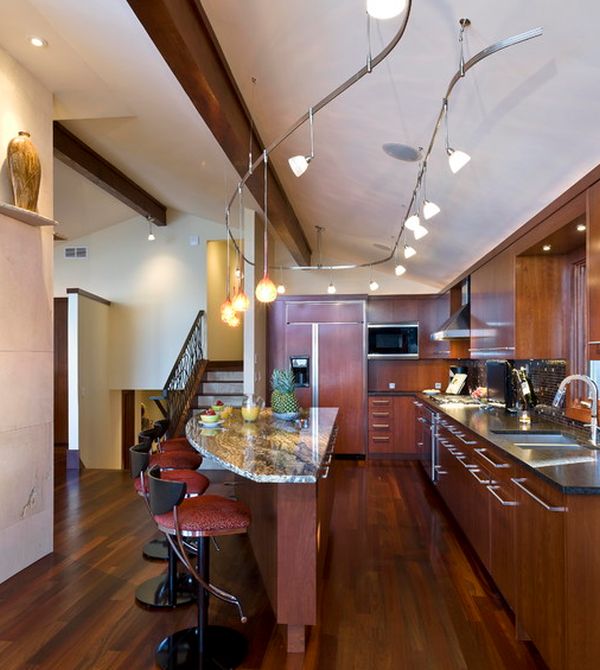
26	105
156	289
26	358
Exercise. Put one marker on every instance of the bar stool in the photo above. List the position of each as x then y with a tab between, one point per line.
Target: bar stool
204	647
170	589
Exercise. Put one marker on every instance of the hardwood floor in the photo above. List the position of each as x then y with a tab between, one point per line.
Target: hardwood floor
401	590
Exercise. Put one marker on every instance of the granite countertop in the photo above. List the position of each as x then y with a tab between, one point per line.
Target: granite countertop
573	471
270	450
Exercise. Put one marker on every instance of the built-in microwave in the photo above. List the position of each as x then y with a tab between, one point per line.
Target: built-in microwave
393	340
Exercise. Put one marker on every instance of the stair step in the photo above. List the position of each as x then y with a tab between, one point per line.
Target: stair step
229	388
224	376
208	400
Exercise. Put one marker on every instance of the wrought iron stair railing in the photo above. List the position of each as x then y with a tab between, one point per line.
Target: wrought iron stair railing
182	383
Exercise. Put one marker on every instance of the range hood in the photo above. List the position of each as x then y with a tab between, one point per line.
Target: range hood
458	326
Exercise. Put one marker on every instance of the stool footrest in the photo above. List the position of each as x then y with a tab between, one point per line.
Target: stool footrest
225	648
154	592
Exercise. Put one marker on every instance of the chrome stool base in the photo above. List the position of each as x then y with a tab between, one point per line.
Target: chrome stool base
157	549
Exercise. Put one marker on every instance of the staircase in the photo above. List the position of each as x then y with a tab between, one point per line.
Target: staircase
224	381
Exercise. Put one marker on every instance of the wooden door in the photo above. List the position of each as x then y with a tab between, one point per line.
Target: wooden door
61	373
342	381
405	430
540	561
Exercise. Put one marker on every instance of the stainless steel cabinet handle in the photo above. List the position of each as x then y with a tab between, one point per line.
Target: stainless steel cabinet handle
462	439
417	403
381	402
380	425
380	413
545	505
474	472
438	469
491	349
505	503
377	438
594	342
463	461
481	452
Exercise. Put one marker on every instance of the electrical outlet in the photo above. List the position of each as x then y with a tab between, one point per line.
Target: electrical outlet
437	385
391	385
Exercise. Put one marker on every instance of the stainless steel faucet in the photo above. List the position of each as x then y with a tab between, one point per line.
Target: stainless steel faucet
560	395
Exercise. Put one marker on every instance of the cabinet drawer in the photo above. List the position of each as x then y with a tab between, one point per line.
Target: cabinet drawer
378	403
380	426
383	443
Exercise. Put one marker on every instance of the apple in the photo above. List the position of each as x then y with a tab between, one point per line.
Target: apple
210	412
219	403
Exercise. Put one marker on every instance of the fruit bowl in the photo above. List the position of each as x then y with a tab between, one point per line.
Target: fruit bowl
286	416
210	418
219	407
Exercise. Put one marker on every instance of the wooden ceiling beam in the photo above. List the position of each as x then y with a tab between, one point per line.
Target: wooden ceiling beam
182	33
71	151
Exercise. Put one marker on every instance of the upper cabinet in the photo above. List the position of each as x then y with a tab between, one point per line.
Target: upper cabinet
593	270
493	308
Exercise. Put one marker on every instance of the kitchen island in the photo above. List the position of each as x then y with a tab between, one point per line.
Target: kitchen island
282	472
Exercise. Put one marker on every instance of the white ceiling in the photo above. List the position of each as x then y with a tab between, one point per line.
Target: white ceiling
527	116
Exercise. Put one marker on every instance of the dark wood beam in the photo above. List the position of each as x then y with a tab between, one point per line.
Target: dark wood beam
71	151
183	35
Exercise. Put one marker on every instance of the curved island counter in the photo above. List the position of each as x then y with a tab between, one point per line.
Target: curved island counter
282	472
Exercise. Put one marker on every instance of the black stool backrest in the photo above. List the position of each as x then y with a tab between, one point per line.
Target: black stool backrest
139	457
162	426
164	494
148	435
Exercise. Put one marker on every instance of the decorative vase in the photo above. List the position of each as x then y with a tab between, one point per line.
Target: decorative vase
25	171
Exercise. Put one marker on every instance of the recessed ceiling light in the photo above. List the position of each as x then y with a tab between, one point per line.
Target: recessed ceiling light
546	247
581	227
37	42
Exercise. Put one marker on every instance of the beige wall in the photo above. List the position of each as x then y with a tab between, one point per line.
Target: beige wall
26	359
224	342
26	105
156	289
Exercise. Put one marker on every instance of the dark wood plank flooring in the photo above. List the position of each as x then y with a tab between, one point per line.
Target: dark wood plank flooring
402	590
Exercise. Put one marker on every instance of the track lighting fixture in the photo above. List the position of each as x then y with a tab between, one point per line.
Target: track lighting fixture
430	209
151	236
420	232
456	159
409	251
399	270
385	9
280	289
331	289
373	285
299	164
413	222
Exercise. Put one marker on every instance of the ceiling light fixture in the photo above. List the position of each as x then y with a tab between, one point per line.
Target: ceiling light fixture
266	291
399	270
413	222
299	164
546	247
430	209
373	285
409	251
151	236
385	9
38	42
331	289
581	227
241	301
420	232
456	159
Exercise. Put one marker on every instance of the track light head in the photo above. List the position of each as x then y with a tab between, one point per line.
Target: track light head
457	159
299	164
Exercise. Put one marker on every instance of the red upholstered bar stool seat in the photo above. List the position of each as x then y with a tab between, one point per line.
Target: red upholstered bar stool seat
176	460
182	520
175	444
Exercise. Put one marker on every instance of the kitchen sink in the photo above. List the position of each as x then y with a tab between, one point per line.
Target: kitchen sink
539	440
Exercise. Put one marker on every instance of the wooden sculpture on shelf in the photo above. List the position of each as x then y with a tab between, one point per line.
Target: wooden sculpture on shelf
25	171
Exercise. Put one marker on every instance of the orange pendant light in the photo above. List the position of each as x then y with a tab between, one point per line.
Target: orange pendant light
266	291
227	311
241	301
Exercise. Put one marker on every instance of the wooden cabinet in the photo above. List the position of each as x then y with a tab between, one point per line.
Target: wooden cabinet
493	308
593	269
540	557
392	429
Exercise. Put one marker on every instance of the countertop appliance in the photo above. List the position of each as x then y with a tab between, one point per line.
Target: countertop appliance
463	370
393	340
499	382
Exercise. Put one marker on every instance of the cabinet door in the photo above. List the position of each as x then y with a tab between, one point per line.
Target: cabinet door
341	366
298	342
405	439
493	308
593	269
540	560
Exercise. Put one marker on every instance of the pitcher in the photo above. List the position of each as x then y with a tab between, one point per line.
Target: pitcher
251	407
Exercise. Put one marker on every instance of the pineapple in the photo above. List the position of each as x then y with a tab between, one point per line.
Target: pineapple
283	398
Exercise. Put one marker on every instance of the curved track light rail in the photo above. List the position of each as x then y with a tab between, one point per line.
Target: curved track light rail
371	63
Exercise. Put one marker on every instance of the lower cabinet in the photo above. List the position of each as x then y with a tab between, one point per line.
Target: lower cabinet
392	429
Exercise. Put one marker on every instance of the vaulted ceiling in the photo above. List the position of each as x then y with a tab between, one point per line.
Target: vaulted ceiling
527	116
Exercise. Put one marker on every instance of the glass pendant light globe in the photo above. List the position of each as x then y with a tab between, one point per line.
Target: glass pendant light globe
227	311
331	289
373	285
385	9
280	289
151	237
430	209
457	159
409	251
241	301
420	232
266	291
399	270
299	164
413	222
234	322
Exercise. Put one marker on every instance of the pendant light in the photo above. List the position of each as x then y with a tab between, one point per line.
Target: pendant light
373	285
266	291
281	285
409	251
241	302
227	309
456	159
331	289
413	222
385	9
420	232
299	164
151	236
